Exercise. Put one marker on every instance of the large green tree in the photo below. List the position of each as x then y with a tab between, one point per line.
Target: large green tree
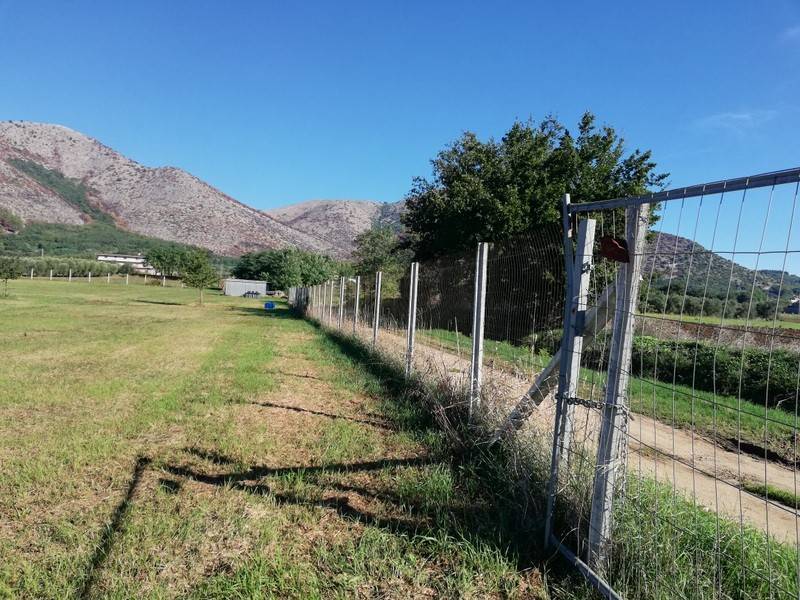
495	190
168	260
287	267
379	249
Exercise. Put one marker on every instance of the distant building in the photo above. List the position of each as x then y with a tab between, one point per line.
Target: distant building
137	262
794	307
240	287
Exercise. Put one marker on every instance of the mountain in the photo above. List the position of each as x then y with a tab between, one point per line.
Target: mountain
671	256
42	166
338	222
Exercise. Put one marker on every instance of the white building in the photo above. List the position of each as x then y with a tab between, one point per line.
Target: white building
240	287
136	261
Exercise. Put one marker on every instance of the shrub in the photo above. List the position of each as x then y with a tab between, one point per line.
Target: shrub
714	368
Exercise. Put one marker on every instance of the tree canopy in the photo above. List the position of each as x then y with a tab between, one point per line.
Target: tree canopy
197	272
287	267
10	268
379	249
495	190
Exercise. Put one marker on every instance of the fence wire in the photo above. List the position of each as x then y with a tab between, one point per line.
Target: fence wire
703	501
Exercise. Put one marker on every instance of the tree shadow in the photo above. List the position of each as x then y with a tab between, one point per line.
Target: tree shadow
516	519
279	312
163	303
378	424
425	519
114	527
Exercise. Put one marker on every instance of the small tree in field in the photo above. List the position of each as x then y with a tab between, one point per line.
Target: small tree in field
10	268
198	272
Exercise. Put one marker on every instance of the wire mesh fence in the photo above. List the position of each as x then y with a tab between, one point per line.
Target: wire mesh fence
647	355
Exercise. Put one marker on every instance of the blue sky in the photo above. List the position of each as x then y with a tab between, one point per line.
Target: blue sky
275	103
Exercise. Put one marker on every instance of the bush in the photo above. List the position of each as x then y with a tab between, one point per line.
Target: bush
714	369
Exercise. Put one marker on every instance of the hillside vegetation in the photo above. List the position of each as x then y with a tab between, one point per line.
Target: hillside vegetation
99	235
166	202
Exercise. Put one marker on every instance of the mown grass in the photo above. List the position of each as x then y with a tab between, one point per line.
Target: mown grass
145	453
722	417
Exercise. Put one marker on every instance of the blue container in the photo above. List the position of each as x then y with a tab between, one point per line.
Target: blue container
269	305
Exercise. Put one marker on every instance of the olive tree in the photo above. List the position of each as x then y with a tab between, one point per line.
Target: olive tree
198	272
10	268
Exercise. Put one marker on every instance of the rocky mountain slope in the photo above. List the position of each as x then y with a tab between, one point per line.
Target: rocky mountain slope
671	256
337	222
164	202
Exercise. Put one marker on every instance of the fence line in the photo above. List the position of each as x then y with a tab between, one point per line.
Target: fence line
648	366
109	279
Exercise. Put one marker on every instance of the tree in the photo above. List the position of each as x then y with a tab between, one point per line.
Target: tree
10	268
287	267
765	310
167	260
379	249
495	190
198	272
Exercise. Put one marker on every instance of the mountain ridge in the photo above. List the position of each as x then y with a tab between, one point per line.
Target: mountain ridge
164	202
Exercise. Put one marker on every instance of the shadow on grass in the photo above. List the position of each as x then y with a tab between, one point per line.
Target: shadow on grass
114	527
514	521
425	520
319	413
279	312
162	302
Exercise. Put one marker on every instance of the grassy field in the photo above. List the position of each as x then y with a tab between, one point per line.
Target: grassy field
153	448
723	417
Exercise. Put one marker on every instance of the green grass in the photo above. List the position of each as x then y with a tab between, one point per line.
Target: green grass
664	545
710	414
153	448
670	548
516	357
785	497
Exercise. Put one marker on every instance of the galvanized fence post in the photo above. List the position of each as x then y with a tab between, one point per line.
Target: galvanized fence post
31	274
411	324
569	266
342	284
330	303
127	276
355	309
108	277
610	455
580	290
90	277
51	274
70	276
478	313
376	317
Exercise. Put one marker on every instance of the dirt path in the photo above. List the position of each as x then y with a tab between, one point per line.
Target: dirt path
689	462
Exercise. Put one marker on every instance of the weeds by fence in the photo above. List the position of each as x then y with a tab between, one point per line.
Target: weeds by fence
644	367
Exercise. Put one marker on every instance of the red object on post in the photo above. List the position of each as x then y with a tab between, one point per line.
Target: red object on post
615	249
